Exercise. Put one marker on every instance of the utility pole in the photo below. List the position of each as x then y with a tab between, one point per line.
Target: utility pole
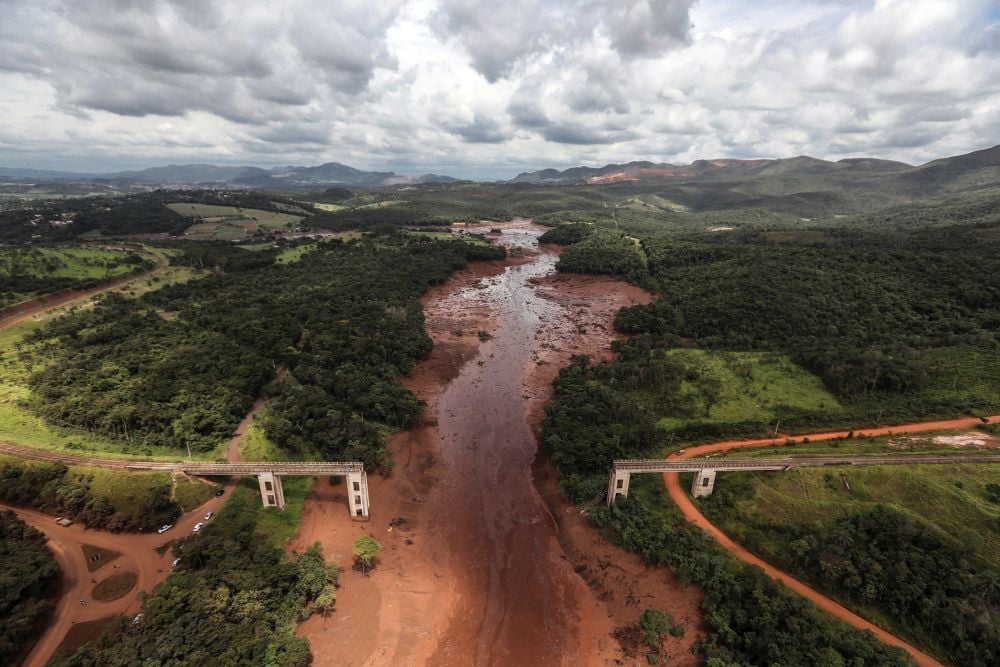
188	445
776	430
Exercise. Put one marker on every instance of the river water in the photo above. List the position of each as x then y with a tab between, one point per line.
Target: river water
519	599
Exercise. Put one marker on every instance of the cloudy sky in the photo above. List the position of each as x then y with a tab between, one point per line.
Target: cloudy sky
488	88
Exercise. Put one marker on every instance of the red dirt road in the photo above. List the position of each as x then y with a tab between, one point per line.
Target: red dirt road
138	555
691	512
28	309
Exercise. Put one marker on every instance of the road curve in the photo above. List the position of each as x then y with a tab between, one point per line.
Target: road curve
691	512
138	555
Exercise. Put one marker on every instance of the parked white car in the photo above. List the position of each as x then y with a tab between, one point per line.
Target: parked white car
174	564
209	515
164	528
197	527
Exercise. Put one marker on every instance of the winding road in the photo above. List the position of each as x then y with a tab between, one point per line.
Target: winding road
693	514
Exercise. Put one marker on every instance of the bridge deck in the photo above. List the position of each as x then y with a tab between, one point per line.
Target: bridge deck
274	468
661	465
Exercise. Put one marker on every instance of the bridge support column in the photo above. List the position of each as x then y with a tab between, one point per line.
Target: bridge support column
704	483
270	490
617	485
357	494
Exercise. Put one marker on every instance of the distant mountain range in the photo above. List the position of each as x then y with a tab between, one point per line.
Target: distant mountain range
704	170
787	176
324	175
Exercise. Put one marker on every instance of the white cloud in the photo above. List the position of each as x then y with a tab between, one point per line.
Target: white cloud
481	86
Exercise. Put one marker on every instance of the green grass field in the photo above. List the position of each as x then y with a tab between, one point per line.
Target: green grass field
746	386
950	498
330	207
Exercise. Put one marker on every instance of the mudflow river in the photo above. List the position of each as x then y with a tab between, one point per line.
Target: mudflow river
475	573
520	600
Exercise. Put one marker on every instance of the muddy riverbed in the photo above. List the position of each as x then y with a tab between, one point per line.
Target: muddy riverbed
478	566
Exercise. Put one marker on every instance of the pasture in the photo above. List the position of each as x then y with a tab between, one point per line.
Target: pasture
231	222
745	386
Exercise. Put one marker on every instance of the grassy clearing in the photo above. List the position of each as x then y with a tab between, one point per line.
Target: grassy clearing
190	493
115	586
746	386
126	491
278	525
950	498
256	446
98	557
330	207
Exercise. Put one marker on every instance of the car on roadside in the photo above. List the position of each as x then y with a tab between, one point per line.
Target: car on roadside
137	619
198	526
209	515
174	564
219	491
164	528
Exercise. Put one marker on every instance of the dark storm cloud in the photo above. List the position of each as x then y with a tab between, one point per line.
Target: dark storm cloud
169	58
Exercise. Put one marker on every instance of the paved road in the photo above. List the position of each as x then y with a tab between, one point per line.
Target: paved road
691	512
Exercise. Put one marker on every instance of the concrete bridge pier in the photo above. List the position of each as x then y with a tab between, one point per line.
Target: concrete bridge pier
270	490
357	494
617	485
704	483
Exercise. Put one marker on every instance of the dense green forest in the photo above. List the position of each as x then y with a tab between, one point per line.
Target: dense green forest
234	599
28	579
182	365
54	488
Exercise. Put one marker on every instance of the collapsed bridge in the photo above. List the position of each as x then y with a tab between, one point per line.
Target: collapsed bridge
706	469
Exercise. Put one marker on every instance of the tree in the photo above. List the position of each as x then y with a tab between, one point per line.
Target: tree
655	623
365	549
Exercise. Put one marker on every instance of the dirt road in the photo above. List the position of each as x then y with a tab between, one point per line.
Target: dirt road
138	555
28	309
691	512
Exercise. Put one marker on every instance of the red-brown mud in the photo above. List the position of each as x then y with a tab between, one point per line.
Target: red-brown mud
484	569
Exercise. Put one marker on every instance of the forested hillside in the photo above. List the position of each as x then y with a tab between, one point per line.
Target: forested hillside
182	365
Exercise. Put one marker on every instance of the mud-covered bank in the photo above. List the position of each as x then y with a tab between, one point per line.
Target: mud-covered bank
477	567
